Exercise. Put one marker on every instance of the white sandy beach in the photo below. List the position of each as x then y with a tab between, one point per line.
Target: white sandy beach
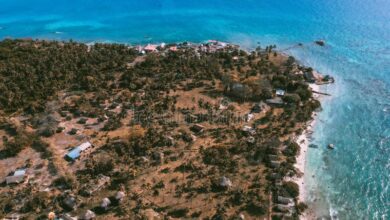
303	141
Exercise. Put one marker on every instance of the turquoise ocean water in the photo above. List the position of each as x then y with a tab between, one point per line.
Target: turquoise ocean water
350	182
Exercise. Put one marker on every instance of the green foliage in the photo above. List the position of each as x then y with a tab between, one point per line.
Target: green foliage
51	66
301	207
64	182
292	98
292	188
255	208
292	149
178	213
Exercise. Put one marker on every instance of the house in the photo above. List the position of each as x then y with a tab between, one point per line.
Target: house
97	185
275	164
76	152
284	208
150	48
67	217
173	48
224	104
158	157
275	176
13	216
280	92
51	216
190	118
256	108
275	101
197	128
70	202
251	140
225	182
249	117
273	157
88	215
18	176
120	195
285	200
140	49
105	203
249	129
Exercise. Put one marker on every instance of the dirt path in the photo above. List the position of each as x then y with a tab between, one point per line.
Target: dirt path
270	206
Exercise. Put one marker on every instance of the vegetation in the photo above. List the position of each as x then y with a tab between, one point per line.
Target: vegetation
140	112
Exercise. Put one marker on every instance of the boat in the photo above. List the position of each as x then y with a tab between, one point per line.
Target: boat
320	42
331	146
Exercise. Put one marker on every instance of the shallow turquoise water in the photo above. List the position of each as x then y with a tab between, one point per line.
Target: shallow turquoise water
351	182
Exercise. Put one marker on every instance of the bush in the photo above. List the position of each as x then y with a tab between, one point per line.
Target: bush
46	132
292	188
73	131
82	121
41	147
292	99
292	149
255	208
178	213
64	182
305	94
301	207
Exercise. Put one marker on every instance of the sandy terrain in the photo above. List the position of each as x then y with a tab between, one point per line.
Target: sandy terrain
303	141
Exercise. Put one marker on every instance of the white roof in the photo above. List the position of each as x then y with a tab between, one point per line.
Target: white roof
105	202
226	182
88	215
151	47
84	146
14	179
280	92
247	128
20	172
119	195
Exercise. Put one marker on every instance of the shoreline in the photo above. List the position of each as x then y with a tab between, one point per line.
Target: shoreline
303	141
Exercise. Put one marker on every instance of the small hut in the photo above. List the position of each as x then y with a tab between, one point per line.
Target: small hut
120	195
18	176
225	182
105	203
280	92
51	216
70	202
88	215
197	128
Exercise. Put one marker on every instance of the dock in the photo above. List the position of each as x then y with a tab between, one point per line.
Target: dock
321	93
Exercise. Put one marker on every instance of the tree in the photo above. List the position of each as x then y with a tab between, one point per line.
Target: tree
292	98
292	188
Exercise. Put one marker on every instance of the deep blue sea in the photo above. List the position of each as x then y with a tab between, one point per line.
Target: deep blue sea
350	182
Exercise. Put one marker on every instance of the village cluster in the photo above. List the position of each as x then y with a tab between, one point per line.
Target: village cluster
149	162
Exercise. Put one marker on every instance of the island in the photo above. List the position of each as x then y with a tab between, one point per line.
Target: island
157	131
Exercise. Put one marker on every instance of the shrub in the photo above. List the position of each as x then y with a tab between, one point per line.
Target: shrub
292	149
292	188
73	131
301	207
178	213
292	99
255	208
64	182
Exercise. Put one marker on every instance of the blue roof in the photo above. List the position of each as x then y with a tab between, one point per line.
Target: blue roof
74	154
